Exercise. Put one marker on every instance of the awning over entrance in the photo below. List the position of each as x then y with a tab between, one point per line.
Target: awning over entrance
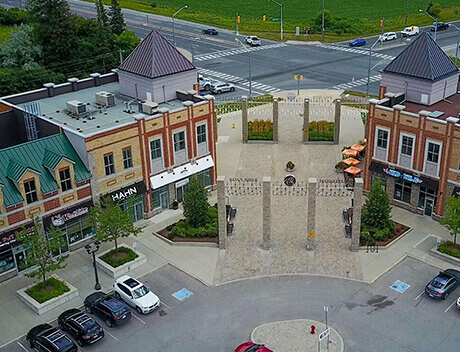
181	172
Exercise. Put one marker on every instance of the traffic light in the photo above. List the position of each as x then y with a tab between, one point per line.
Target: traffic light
381	23
295	77
239	19
265	17
301	77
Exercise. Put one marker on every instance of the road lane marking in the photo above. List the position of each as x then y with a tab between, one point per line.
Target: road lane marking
25	349
135	316
163	303
112	336
416	298
449	306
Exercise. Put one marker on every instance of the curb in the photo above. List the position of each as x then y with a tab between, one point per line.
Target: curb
185	244
363	248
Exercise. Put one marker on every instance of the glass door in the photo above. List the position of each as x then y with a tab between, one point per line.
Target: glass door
180	191
429	205
138	209
164	200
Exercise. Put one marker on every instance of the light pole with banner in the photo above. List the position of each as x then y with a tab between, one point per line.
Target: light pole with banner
281	18
435	19
250	75
174	28
92	248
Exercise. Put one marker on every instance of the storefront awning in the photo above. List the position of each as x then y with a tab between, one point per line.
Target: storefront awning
181	172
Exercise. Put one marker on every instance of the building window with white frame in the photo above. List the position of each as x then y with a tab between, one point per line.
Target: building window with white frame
66	182
109	165
433	155
180	150
127	158
156	155
406	151
381	144
30	191
201	137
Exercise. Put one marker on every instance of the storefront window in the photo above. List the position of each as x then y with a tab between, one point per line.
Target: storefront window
78	229
134	205
6	260
424	194
64	248
205	177
160	198
403	190
377	176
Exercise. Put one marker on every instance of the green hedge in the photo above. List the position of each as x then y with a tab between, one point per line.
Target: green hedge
115	262
446	248
321	131
264	130
46	290
185	230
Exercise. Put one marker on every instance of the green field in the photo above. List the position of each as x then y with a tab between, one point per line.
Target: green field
297	13
5	33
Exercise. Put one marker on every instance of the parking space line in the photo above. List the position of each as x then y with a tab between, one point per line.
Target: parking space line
416	298
20	344
112	336
163	303
135	316
449	306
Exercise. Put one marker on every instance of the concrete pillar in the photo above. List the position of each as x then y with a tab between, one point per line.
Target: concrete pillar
50	88
222	212
171	193
306	120
275	119
266	211
338	105
358	200
74	82
311	216
97	78
244	109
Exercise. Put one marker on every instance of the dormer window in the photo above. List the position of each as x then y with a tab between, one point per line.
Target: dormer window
64	176
30	191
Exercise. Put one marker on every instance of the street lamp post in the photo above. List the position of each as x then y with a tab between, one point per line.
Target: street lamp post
369	67
92	248
250	75
174	29
281	18
435	19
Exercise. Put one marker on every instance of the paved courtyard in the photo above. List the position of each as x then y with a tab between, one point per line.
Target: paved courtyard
288	254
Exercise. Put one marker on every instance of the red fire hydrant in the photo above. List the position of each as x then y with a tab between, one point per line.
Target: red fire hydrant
312	331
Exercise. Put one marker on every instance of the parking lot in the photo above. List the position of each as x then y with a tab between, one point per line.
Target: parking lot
372	317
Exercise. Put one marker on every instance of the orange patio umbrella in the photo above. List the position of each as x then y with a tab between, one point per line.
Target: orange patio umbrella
358	147
351	161
353	170
350	152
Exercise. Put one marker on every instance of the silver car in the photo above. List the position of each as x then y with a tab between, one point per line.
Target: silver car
219	87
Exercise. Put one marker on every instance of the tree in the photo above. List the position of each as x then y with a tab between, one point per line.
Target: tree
196	206
40	249
451	218
117	22
102	16
111	222
376	212
126	41
20	50
435	10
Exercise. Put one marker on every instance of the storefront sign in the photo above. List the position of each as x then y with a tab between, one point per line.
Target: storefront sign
406	177
10	237
59	220
242	179
127	192
182	183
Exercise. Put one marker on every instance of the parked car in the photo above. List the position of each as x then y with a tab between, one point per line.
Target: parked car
458	303
252	347
253	40
220	87
81	326
410	31
136	294
443	284
45	338
210	31
205	83
357	42
387	36
111	310
441	26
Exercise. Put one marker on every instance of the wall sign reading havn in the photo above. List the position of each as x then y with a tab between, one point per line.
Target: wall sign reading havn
405	177
127	192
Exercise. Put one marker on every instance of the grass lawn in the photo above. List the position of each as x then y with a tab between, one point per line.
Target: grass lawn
295	13
120	256
5	32
46	290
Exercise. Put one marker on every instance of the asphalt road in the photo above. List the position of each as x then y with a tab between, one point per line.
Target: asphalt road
274	64
369	317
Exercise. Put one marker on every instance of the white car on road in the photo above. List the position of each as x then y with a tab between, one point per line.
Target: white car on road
410	31
136	294
387	36
253	40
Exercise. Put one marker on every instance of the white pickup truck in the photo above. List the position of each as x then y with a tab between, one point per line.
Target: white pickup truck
253	40
410	31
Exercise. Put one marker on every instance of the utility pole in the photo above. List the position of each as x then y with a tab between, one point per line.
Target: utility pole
322	24
121	56
236	20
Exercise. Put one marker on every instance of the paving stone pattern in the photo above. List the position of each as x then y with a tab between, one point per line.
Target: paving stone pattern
244	256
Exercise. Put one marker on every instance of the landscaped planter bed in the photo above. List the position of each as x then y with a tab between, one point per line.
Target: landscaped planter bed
167	236
400	231
121	269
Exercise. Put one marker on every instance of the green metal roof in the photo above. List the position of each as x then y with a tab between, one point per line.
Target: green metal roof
40	156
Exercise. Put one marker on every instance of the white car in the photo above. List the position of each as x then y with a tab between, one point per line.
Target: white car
253	40
387	36
136	294
219	87
410	31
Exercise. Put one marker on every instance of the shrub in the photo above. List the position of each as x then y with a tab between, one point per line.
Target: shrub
186	230
341	166
113	261
321	131
260	129
446	248
46	290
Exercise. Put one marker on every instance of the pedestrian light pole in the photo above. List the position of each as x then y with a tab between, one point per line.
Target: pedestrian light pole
281	18
250	75
92	248
174	29
435	19
369	66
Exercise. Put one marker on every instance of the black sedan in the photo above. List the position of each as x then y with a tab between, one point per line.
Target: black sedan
441	26
210	31
443	284
81	326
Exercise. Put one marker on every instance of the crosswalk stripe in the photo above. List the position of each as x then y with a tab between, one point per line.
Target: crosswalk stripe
236	51
354	50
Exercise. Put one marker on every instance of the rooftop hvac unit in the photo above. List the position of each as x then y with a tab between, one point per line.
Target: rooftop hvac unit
76	107
149	107
105	99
